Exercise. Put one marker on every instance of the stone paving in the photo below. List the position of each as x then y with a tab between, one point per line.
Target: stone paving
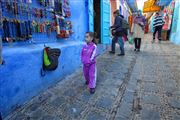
137	86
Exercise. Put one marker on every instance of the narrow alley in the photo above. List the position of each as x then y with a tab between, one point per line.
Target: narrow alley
137	86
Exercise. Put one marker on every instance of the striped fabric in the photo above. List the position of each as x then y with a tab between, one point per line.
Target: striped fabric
158	21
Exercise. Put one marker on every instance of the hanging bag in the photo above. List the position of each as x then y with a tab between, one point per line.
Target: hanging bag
50	59
131	39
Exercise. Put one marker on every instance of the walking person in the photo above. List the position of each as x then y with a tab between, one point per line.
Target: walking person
157	26
117	32
88	58
138	30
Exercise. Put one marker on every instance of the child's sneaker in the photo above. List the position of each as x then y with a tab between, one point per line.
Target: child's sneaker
86	82
92	90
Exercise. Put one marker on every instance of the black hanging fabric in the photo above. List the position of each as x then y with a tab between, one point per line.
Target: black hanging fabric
5	29
17	23
58	7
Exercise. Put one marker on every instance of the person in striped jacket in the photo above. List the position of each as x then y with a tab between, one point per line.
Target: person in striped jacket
157	25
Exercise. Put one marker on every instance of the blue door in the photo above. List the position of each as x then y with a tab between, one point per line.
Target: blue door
105	21
91	15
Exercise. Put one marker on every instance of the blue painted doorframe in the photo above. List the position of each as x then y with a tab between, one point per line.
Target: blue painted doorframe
105	21
91	15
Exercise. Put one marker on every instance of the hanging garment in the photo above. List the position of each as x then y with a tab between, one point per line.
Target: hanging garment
34	24
29	1
23	29
57	25
27	29
38	27
66	8
41	27
58	7
48	28
18	30
44	12
12	29
52	3
26	11
41	13
30	28
41	2
20	7
47	3
6	29
15	6
62	23
8	6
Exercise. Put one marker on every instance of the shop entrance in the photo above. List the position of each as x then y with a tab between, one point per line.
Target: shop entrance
97	20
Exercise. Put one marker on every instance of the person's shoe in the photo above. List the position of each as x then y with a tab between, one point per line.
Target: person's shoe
92	90
121	54
134	49
86	82
138	50
111	52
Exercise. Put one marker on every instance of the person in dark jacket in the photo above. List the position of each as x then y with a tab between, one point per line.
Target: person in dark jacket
117	32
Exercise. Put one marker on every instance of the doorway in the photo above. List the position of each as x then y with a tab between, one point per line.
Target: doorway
97	20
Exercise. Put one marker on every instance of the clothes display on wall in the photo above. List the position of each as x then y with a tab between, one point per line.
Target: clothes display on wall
63	27
16	30
21	18
66	8
58	7
168	12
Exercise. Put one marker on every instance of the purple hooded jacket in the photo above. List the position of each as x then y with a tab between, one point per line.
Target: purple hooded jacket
88	54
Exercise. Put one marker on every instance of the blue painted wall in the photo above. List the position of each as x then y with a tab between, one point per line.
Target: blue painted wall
20	78
175	30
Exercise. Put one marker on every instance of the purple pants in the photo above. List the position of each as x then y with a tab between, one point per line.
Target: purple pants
90	74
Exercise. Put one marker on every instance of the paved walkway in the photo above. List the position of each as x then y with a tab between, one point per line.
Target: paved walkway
138	86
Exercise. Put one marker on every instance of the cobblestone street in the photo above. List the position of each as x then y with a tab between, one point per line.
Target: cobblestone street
137	86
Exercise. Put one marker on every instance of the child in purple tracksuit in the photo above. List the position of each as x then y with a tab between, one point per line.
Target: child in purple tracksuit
88	58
